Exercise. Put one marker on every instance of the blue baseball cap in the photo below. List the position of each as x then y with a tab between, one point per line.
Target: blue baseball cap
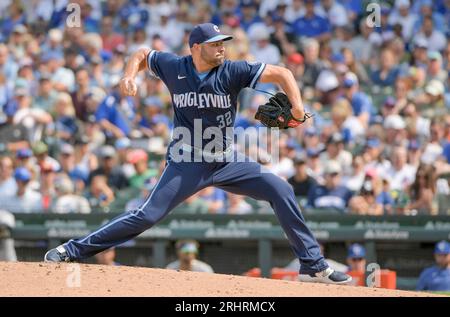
207	33
24	153
22	174
350	79
337	58
442	247
356	251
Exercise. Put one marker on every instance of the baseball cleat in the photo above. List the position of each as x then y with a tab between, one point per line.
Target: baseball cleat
328	276
59	254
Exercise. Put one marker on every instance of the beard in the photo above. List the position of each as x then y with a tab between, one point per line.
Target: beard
214	61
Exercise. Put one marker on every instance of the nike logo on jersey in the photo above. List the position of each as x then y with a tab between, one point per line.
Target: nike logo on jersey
191	99
181	77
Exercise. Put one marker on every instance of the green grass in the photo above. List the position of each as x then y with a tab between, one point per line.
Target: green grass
442	293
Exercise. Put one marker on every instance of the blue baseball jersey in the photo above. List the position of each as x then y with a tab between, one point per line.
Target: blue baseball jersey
434	279
211	99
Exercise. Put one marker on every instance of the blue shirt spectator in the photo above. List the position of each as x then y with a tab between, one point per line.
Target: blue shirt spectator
311	26
118	111
331	195
437	278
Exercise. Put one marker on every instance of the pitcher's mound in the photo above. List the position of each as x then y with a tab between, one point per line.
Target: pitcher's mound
43	279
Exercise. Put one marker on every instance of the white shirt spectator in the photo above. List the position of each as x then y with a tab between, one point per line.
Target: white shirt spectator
436	42
337	14
71	204
38	9
354	125
197	266
407	23
431	153
344	158
284	168
270	54
361	47
171	34
402	178
354	182
291	14
8	187
30	202
66	77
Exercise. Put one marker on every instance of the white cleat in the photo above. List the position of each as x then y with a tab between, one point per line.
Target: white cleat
328	276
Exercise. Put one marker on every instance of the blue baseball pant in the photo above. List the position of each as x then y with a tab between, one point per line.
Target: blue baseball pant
180	180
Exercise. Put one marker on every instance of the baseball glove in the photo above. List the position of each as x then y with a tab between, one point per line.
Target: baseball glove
277	113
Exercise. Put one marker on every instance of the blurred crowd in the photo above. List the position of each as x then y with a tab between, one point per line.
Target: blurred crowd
379	88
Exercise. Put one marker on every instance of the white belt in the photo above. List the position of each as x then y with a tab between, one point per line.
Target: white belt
191	149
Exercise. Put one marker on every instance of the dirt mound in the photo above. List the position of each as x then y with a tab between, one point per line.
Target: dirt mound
42	279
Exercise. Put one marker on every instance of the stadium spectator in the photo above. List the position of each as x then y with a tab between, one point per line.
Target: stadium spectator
301	182
192	205
437	277
82	93
187	252
25	200
139	159
67	127
260	46
236	205
335	151
7	250
331	196
214	198
146	190
67	201
312	24
387	73
108	168
46	96
423	191
8	186
153	121
100	195
384	197
365	202
47	185
313	66
402	174
354	178
434	38
356	258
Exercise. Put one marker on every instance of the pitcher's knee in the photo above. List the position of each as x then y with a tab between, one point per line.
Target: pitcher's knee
281	187
150	215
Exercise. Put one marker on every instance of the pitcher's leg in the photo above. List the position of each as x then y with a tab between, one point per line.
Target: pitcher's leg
175	185
246	178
